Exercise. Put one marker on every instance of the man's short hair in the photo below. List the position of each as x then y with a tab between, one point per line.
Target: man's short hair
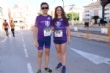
5	20
43	4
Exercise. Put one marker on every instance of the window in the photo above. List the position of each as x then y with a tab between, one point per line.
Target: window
15	21
21	21
86	11
87	15
106	13
0	11
107	9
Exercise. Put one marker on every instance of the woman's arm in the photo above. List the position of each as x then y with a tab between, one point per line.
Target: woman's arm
68	34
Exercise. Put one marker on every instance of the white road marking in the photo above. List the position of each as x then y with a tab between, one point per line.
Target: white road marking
23	40
4	39
24	45
9	35
0	58
29	68
26	53
96	59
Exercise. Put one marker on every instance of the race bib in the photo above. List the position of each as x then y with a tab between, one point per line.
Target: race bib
58	33
47	32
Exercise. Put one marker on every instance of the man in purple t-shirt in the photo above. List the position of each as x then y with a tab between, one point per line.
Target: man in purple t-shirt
42	36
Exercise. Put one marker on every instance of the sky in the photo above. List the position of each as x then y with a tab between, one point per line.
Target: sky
52	3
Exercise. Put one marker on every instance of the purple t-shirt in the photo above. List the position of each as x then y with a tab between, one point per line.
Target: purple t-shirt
60	25
42	23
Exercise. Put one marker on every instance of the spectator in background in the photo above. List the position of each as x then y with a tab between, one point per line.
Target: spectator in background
86	23
105	21
102	22
98	21
91	22
5	25
12	28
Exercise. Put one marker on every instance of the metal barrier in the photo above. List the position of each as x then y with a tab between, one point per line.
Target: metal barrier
109	32
87	35
92	33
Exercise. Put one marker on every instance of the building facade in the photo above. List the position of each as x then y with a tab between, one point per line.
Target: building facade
75	9
22	15
3	13
95	9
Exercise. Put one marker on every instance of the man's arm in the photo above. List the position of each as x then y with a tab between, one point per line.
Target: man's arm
35	32
35	29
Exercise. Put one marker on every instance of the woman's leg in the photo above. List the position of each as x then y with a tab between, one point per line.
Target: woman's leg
63	53
58	49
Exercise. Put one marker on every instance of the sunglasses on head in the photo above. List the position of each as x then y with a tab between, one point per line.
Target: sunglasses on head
45	8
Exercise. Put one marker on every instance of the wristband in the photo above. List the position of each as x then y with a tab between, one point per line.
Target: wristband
69	37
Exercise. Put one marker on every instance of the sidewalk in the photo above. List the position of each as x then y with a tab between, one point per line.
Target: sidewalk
94	33
91	36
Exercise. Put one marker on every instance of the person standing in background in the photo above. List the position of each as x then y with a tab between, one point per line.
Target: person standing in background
12	28
5	25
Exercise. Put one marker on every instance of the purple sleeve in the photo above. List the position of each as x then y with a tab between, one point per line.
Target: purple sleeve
36	22
51	21
67	23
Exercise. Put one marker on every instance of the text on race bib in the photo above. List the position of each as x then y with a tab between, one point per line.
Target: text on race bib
58	33
47	32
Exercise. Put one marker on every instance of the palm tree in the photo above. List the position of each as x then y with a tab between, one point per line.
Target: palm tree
95	18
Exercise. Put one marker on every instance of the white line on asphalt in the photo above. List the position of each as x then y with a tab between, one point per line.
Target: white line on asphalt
29	68
9	35
23	40
26	53
0	58
4	39
24	45
96	59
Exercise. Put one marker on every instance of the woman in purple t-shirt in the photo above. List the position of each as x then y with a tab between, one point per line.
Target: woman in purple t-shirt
61	36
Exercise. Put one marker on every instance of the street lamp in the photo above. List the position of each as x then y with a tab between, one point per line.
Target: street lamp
63	3
72	14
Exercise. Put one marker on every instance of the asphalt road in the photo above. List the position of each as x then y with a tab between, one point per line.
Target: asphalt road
18	55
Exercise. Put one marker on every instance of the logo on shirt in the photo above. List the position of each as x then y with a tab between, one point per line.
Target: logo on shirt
47	23
48	18
58	24
61	19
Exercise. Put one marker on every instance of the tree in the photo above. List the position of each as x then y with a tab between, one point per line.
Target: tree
75	16
95	18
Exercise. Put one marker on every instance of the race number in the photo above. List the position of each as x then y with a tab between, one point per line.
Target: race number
47	32
58	33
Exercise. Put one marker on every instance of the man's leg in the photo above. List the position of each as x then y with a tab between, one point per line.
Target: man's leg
13	32
47	53
39	57
7	31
